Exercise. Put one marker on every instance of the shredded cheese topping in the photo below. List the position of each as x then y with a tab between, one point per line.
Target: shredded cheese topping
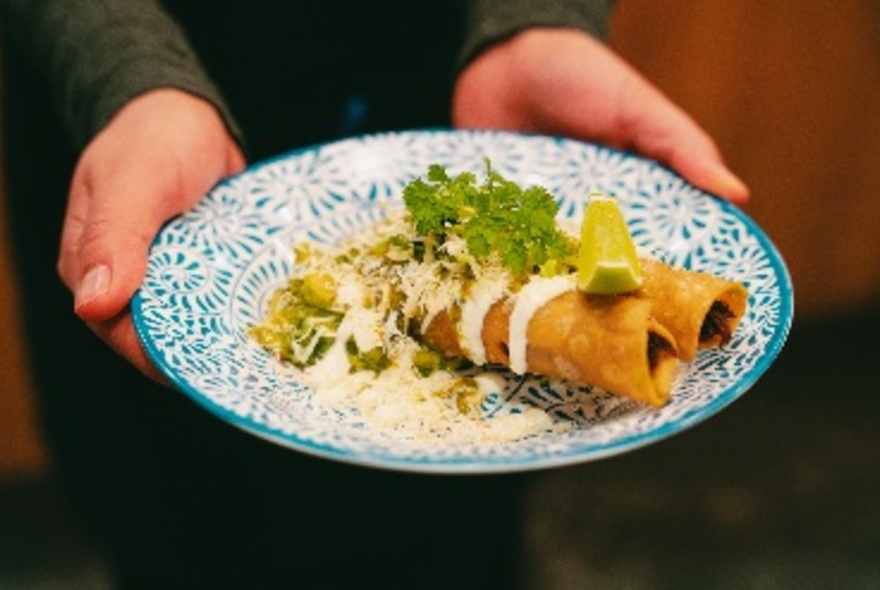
387	286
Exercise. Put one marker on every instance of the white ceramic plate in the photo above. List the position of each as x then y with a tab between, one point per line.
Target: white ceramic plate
211	270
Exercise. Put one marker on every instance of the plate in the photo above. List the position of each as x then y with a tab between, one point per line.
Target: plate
210	272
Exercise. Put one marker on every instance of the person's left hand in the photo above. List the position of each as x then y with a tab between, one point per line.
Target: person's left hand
562	81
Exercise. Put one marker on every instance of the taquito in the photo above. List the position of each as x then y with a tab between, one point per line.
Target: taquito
611	342
700	310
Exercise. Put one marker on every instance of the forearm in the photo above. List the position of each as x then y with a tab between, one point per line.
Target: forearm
99	54
490	21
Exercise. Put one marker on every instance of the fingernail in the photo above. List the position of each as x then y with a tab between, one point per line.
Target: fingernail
734	188
93	284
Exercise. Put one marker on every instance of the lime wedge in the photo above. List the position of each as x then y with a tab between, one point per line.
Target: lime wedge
608	263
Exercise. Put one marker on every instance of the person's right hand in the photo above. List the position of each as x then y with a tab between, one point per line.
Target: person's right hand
155	158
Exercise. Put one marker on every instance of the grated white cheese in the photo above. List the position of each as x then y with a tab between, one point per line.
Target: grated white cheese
382	294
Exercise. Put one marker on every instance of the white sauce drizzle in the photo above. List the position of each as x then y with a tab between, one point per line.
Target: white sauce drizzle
399	398
483	295
536	293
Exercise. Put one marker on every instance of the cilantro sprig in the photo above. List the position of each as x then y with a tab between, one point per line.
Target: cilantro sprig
496	216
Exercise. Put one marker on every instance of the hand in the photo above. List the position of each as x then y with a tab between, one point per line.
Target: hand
565	82
157	156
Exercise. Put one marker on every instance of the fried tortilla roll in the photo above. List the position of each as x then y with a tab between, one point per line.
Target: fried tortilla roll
699	309
608	342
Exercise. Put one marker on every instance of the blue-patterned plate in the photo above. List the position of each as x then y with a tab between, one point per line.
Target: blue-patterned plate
211	269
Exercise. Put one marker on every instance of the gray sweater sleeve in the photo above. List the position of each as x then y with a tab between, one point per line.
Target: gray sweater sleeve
99	54
490	21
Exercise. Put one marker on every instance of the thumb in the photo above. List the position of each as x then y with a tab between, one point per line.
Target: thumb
113	219
107	234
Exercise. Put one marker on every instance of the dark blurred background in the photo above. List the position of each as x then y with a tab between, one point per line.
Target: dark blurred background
782	489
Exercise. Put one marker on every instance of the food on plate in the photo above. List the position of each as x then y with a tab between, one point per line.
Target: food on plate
608	262
698	308
610	342
400	320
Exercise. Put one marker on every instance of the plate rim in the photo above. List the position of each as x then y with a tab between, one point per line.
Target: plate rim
586	452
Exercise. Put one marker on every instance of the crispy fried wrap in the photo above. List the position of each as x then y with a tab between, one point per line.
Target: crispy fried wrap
610	342
700	310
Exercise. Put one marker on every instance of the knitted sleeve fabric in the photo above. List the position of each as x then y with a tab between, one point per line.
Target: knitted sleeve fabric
490	21
99	54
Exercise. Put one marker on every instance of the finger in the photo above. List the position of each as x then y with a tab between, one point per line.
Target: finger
235	161
113	219
656	127
107	252
75	218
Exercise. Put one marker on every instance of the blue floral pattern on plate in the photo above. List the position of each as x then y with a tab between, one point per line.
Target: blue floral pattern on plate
211	270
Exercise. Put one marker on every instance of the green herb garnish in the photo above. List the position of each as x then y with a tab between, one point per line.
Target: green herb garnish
495	217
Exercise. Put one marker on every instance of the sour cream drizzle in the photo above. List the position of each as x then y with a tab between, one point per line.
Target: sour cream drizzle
483	294
537	292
